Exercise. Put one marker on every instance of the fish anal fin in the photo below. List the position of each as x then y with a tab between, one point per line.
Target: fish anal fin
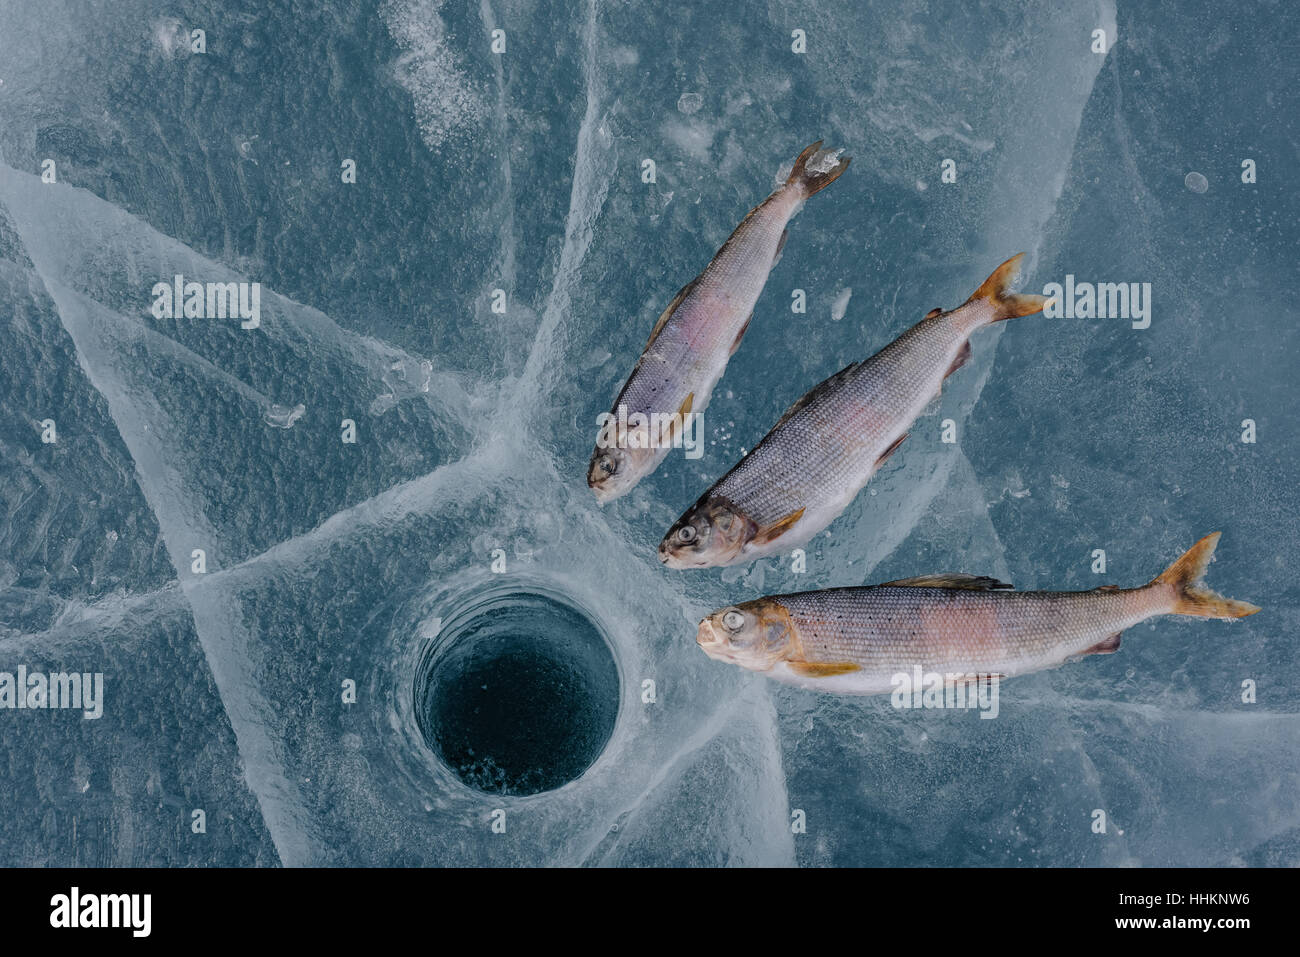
893	447
963	356
823	669
780	247
770	533
1106	588
668	313
934	313
951	580
1107	646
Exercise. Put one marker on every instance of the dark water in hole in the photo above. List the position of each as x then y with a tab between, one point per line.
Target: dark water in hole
520	696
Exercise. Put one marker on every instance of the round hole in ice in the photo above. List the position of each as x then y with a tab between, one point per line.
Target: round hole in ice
518	695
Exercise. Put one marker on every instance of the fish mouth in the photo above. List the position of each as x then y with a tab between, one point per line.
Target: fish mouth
602	490
711	643
684	558
672	559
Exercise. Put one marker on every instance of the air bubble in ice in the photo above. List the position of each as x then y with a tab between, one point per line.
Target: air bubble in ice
1196	182
690	103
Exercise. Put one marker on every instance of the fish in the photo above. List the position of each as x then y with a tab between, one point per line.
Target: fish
857	641
697	333
826	447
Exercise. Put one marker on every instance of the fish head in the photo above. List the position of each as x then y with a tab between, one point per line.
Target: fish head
755	635
712	532
613	471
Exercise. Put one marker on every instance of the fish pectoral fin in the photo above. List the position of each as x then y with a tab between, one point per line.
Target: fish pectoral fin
934	313
1106	588
823	669
963	356
893	447
740	335
668	313
770	533
951	580
1107	646
668	435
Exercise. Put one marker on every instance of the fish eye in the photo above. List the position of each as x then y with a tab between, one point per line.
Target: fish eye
733	620
607	464
686	534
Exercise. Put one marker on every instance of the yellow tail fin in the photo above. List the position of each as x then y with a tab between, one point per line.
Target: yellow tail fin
1191	596
1007	304
816	180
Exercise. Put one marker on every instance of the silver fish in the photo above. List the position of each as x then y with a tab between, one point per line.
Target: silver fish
859	640
698	332
821	453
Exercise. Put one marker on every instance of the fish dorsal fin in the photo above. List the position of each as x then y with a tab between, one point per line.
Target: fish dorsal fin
823	669
818	390
951	580
893	447
770	533
1106	588
934	313
667	313
1107	646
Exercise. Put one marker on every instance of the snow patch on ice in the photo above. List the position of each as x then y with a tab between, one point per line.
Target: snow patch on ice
693	137
444	97
169	37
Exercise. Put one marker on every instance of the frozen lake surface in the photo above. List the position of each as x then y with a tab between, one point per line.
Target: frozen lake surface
271	683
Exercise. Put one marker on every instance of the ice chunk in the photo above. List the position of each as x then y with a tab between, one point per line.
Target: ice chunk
841	304
283	417
823	161
690	103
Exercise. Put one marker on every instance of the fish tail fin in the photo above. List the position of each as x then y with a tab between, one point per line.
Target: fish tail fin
1191	595
816	179
997	291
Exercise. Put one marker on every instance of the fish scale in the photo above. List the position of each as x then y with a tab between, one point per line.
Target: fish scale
695	336
888	630
859	640
821	453
829	447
